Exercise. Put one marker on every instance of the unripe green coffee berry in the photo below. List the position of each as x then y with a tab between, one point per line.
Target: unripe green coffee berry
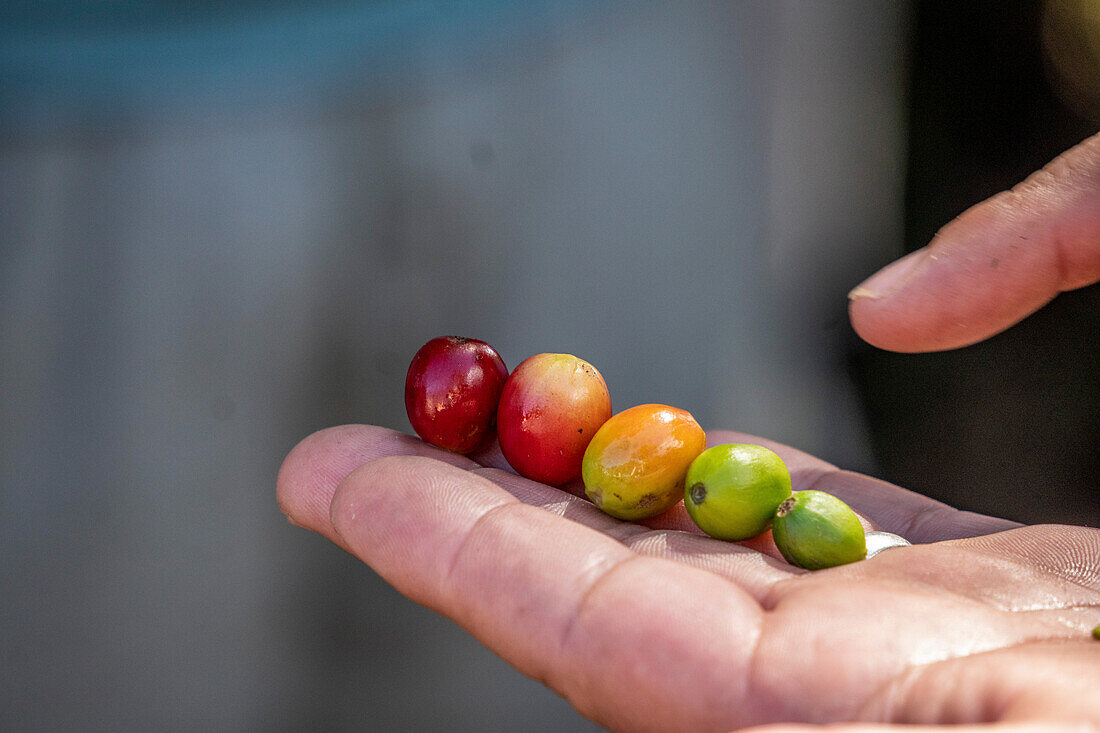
732	491
815	530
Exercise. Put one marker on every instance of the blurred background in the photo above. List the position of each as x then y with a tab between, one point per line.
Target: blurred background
225	226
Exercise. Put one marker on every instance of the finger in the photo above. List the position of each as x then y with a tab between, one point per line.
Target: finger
1068	552
317	465
914	516
1053	681
996	572
1010	727
313	469
310	474
614	632
995	264
677	519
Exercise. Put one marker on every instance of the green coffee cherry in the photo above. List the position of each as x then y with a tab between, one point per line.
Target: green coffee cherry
815	530
732	491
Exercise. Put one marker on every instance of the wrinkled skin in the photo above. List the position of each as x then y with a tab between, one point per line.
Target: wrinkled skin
656	627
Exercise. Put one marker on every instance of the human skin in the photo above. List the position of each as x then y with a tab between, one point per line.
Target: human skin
993	265
652	626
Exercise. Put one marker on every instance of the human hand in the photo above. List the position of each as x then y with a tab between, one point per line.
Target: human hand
658	627
992	266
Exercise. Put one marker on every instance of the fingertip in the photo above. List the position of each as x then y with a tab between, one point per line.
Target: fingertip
915	314
862	313
923	317
319	463
891	278
307	476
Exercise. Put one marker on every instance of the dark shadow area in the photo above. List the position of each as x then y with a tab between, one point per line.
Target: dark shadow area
1011	426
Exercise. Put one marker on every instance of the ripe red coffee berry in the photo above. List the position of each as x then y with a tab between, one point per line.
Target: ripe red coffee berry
551	407
452	390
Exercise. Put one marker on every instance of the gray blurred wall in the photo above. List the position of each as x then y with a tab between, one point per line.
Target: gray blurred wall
195	274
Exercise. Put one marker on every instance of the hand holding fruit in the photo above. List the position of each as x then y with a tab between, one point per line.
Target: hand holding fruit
993	265
652	625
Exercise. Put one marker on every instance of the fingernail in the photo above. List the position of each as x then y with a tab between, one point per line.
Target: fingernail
890	277
877	541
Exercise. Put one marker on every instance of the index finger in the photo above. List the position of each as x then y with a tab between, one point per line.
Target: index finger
994	265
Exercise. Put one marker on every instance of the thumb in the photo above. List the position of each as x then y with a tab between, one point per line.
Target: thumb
994	265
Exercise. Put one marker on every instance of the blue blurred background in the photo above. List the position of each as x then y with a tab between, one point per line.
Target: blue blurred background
225	226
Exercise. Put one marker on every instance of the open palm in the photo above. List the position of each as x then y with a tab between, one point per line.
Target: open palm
658	627
655	626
